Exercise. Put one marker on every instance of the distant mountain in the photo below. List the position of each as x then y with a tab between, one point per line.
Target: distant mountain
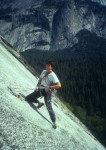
102	2
50	24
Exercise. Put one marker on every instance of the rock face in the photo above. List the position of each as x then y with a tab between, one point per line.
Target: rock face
25	25
23	127
50	24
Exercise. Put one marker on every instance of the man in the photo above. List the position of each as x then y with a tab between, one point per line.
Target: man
47	83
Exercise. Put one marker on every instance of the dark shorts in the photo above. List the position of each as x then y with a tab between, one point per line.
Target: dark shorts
32	98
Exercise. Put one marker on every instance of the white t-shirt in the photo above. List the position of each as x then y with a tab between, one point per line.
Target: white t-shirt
48	79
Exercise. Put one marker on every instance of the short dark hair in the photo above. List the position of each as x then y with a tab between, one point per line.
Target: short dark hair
50	62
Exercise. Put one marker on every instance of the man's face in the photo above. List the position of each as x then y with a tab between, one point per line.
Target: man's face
48	67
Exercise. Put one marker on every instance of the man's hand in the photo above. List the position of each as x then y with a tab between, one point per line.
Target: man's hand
36	89
47	89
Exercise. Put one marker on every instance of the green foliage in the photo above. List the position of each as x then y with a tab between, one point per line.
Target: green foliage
97	125
80	113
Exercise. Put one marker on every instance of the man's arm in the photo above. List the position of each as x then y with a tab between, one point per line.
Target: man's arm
37	86
55	86
39	82
52	87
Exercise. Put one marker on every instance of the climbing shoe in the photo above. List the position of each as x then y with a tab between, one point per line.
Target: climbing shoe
40	105
54	125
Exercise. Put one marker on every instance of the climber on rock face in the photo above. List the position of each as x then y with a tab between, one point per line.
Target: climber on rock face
47	83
